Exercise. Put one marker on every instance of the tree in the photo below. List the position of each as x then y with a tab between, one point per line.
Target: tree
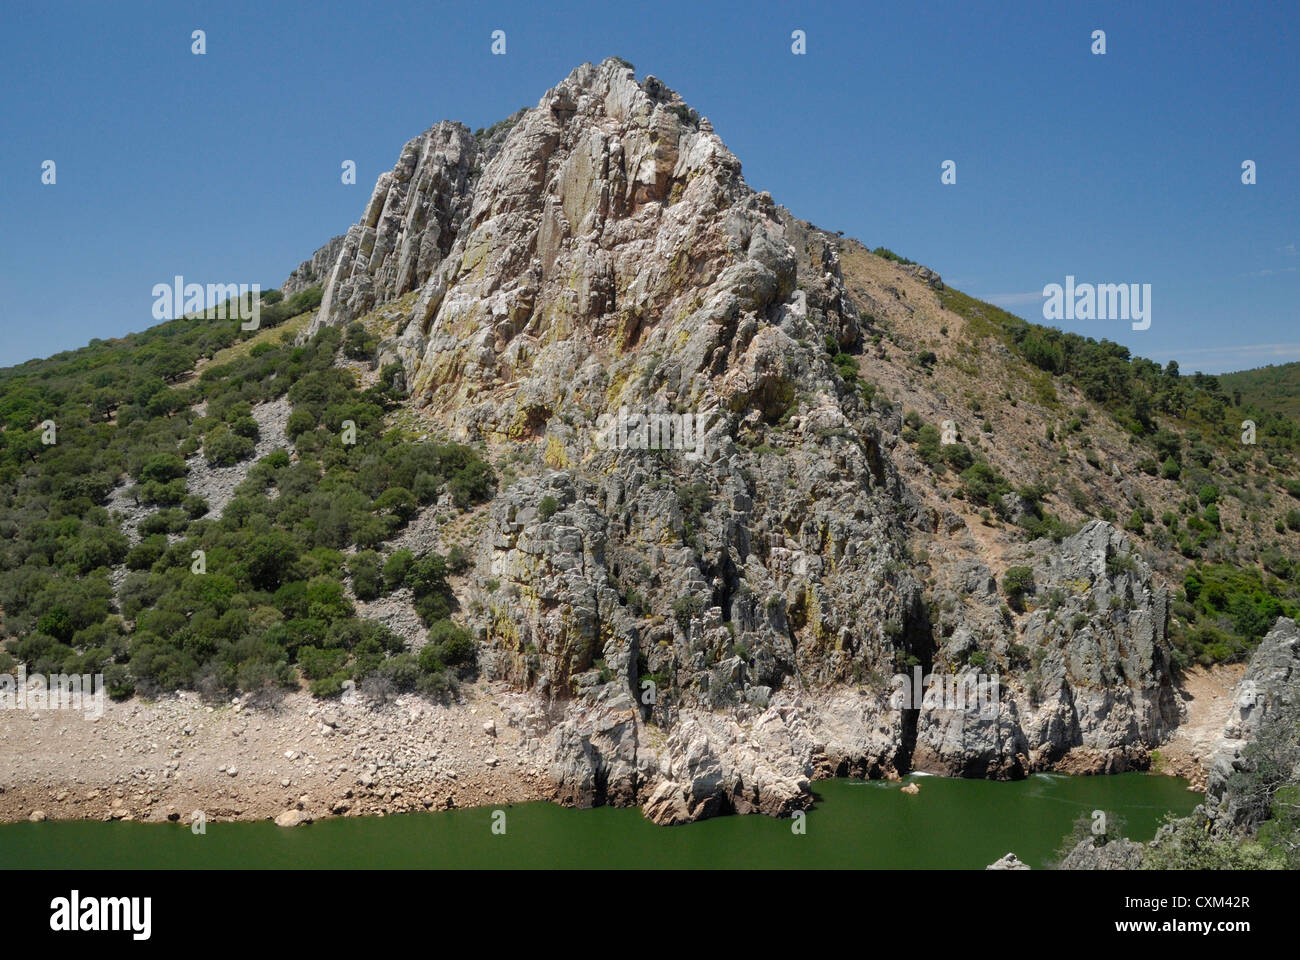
454	646
367	583
1016	582
222	448
162	468
472	484
270	558
397	501
397	567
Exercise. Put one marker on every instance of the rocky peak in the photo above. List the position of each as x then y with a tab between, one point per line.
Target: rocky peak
601	253
609	221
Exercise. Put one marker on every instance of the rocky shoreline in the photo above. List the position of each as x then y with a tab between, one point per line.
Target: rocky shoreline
168	759
307	759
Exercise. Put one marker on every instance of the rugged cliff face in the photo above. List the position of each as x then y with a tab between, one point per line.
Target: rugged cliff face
1272	680
721	620
316	270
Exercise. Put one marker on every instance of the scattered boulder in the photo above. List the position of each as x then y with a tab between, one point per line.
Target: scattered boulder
292	817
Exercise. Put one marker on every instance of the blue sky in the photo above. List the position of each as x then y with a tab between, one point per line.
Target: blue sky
1122	168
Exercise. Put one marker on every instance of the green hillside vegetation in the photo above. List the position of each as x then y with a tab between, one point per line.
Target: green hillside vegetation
1272	388
1186	432
270	611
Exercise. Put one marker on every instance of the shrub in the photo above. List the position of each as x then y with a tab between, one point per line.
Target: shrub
927	447
147	552
984	486
367	582
957	455
891	255
472	484
1016	582
222	448
454	645
245	426
300	422
358	344
685	608
396	568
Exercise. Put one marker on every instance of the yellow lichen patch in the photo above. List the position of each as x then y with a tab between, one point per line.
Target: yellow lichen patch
680	265
502	627
556	456
628	329
388	319
815	617
474	260
530	421
617	384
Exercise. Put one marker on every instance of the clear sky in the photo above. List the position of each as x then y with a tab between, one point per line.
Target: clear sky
1122	168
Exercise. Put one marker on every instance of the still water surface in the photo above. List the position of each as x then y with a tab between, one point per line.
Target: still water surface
855	824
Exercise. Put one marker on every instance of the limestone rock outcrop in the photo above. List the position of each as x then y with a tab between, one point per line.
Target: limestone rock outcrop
713	576
1272	676
1008	862
1118	854
315	270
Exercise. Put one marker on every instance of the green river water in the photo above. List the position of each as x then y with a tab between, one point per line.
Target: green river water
855	824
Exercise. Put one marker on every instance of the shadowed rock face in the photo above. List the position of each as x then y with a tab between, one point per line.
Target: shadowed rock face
600	253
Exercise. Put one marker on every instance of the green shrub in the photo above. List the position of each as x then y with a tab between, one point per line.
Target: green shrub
1016	582
358	344
957	455
891	255
367	582
396	568
222	448
984	486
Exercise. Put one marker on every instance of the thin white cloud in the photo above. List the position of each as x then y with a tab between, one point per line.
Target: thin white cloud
1229	357
1291	250
1248	348
1269	273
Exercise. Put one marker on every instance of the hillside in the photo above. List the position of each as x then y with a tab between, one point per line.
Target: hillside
403	484
1275	388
